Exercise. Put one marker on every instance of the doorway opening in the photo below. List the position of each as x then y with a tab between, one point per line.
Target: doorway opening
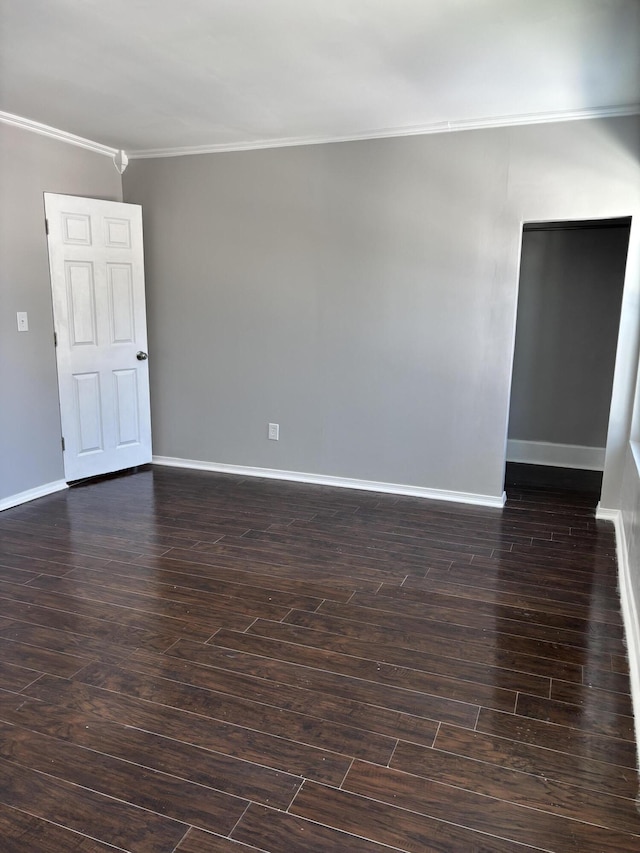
568	319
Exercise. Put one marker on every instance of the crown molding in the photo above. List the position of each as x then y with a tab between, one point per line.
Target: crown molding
392	132
56	133
292	141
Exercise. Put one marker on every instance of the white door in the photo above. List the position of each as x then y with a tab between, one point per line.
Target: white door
97	280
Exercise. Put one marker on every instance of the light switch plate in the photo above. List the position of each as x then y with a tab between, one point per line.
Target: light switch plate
23	321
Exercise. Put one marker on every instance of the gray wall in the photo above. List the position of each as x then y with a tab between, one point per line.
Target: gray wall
30	453
362	295
569	302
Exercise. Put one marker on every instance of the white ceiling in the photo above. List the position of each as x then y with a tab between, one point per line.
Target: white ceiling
166	74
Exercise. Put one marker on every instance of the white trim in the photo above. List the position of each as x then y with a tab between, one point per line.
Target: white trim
56	133
337	482
629	609
392	132
613	515
288	141
32	494
556	455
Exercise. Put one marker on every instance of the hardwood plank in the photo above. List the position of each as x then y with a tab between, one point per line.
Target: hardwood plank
619	663
485	813
541	761
189	727
407	634
369	545
14	575
532	611
277	831
41	660
197	841
20	552
502	619
554	577
109	611
279	561
524	789
72	623
15	678
100	817
75	646
266	682
230	775
584	717
564	574
490	589
503	678
428	531
562	546
589	697
58	547
303	728
337	667
555	736
616	682
517	584
490	637
180	586
387	824
87	538
21	832
161	793
193	612
15	823
240	570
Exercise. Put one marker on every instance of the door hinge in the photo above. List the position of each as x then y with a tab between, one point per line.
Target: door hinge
63	443
46	226
55	339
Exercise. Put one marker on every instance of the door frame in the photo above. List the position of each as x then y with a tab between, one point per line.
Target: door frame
626	361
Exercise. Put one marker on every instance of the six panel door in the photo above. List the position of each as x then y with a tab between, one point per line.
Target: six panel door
97	280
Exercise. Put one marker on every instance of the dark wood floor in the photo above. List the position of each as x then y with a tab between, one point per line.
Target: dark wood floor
196	663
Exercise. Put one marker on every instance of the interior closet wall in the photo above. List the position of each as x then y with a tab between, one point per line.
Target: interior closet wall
571	282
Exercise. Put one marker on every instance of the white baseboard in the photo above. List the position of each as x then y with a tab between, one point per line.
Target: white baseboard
338	482
556	455
614	515
629	609
32	494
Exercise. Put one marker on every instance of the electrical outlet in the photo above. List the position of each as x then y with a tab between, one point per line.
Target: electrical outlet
274	432
23	321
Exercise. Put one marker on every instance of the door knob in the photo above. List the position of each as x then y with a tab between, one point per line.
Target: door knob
142	356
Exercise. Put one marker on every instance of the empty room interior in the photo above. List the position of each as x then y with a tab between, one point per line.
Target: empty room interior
319	426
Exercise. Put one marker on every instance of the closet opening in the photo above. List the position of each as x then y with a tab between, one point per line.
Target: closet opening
568	319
